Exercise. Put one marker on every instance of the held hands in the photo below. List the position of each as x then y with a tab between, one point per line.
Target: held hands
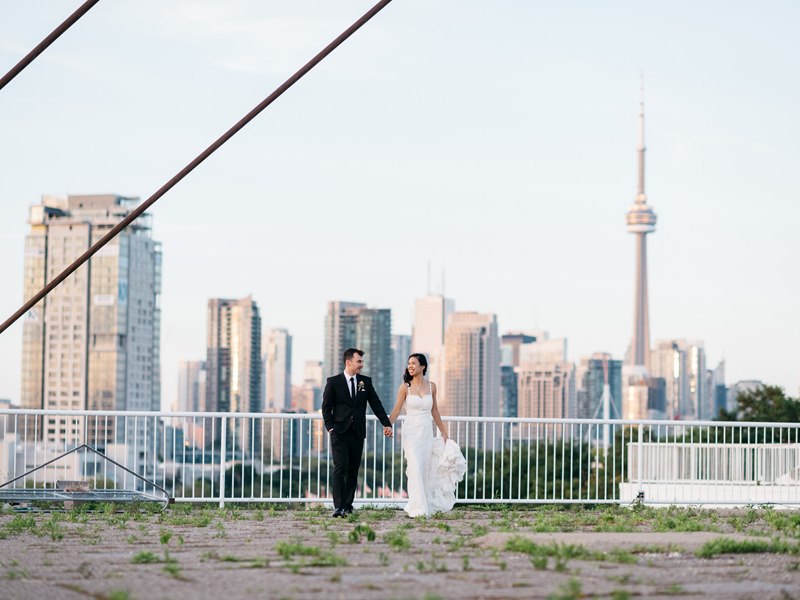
387	431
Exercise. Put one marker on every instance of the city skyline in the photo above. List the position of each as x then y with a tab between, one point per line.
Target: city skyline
520	192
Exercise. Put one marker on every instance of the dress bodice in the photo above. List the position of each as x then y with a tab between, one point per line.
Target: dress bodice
418	405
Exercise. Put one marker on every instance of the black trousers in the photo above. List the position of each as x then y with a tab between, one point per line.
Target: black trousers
346	448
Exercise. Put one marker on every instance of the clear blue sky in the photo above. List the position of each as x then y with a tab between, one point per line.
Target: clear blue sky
495	139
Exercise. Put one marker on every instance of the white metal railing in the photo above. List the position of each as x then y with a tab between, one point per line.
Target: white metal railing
255	457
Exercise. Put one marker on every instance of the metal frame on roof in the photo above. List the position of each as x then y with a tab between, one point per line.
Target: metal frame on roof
25	494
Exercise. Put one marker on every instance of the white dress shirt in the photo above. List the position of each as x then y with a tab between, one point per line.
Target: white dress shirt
355	382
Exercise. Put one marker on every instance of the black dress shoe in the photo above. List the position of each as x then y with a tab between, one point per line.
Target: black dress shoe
347	511
339	512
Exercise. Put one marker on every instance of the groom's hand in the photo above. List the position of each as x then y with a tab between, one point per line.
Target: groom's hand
387	431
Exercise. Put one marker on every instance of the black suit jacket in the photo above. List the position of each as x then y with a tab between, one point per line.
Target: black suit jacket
340	411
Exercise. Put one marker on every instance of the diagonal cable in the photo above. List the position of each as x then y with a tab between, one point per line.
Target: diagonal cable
54	35
192	165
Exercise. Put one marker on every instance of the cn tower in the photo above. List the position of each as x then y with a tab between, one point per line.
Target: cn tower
641	220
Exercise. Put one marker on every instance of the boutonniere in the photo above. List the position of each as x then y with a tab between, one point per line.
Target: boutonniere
360	386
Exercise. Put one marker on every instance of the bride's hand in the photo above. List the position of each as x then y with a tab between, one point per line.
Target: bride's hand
444	438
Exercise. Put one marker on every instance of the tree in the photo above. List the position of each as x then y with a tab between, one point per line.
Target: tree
767	404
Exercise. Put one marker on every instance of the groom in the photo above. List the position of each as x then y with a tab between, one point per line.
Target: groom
344	407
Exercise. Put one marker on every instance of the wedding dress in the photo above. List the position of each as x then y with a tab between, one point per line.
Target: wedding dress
433	468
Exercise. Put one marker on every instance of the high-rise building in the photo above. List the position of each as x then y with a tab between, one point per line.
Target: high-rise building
597	375
472	366
745	385
513	341
546	380
234	360
191	386
94	342
717	392
431	314
698	405
543	350
547	390
313	373
278	370
401	349
353	325
508	382
374	337
641	220
682	365
340	333
191	398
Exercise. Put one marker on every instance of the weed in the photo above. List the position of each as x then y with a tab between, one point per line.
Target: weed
145	558
383	559
539	562
620	595
362	530
336	578
570	590
465	563
397	539
335	537
119	595
479	530
173	569
318	558
166	536
731	546
221	533
673	590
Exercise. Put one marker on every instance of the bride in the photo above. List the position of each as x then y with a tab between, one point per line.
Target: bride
434	465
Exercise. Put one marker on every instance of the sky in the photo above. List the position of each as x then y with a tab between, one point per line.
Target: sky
495	141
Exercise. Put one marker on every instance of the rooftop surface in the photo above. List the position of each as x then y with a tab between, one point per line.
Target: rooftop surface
277	552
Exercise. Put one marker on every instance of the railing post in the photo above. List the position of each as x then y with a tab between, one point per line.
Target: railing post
639	463
223	459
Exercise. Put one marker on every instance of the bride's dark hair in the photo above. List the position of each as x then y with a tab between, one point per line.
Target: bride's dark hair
423	362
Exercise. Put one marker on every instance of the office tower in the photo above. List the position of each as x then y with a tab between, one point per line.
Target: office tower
340	333
191	386
697	406
513	341
543	351
669	362
472	366
718	393
313	373
682	365
374	337
308	397
508	382
401	349
234	363
746	385
509	363
94	342
353	325
191	398
597	375
546	380
427	336
547	390
641	220
278	370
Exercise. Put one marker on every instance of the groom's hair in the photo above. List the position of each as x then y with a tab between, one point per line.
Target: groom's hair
351	352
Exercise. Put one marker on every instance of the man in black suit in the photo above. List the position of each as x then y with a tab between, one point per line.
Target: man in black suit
344	408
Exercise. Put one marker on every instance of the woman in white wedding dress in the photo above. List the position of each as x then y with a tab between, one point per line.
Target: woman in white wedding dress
434	465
